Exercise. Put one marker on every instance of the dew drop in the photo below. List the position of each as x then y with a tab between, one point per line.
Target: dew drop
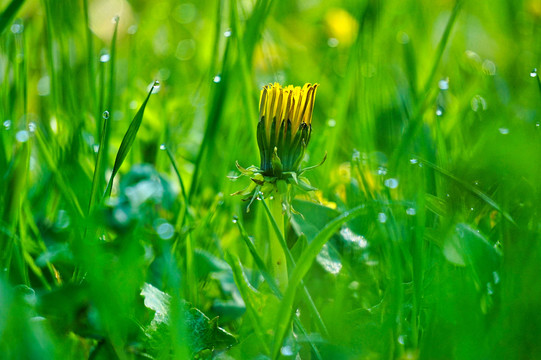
333	42
331	123
478	103
439	112
443	84
163	147
413	161
533	73
227	33
105	58
17	28
120	216
132	29
156	87
217	79
32	126
402	38
503	131
382	218
391	183
382	170
115	19
411	211
165	231
105	115
489	67
235	219
22	136
287	350
96	148
7	124
537	124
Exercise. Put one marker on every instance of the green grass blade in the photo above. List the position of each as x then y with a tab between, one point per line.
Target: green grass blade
481	195
127	141
258	260
182	187
247	295
98	169
91	57
306	259
291	261
9	13
110	97
270	280
417	117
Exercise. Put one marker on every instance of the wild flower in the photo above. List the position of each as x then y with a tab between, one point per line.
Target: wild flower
283	133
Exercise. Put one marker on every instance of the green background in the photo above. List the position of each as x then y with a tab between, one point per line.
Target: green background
429	112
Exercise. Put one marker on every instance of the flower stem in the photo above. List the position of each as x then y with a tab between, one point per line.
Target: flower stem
278	258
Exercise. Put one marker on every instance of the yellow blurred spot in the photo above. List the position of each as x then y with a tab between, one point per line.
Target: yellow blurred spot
534	8
319	196
102	14
341	26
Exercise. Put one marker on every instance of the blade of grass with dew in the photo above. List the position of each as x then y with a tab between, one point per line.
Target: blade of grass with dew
110	100
127	141
471	189
9	13
345	92
98	168
181	183
306	259
254	26
217	99
416	119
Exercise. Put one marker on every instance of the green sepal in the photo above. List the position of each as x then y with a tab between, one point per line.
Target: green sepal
304	184
276	163
302	171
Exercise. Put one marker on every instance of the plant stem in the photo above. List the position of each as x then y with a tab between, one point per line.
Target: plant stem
278	257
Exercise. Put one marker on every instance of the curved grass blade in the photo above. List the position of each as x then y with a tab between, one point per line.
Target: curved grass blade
9	13
127	141
471	189
247	295
306	259
416	118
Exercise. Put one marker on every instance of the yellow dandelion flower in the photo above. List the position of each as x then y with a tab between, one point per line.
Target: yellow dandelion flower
285	126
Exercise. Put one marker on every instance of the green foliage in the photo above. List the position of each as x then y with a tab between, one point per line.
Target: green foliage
118	237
